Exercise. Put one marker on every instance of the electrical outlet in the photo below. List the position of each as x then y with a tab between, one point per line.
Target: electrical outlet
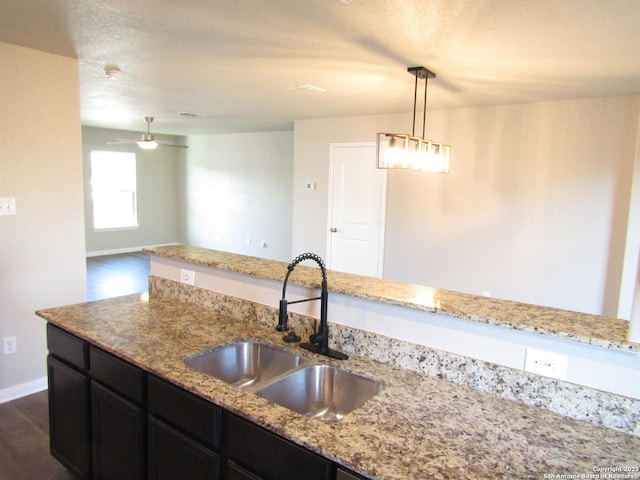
10	345
187	276
549	364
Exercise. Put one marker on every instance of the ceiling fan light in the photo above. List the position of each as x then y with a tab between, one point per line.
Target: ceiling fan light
148	144
147	141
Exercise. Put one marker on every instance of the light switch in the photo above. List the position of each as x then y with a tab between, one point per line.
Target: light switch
7	206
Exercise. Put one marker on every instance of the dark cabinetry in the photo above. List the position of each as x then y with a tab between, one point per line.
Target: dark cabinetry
234	472
117	434
183	434
96	418
343	474
117	418
270	456
174	456
111	420
69	420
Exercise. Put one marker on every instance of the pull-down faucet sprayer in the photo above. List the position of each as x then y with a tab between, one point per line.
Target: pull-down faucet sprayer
319	340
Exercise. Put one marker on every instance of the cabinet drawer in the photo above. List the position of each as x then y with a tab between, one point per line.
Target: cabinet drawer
267	454
67	347
186	412
122	377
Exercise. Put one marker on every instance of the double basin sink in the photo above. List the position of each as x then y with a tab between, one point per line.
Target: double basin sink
281	376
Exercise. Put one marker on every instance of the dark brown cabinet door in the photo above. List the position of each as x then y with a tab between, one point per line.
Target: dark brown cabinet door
69	417
173	456
118	436
234	472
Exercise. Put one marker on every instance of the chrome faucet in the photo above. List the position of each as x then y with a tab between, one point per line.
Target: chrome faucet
319	340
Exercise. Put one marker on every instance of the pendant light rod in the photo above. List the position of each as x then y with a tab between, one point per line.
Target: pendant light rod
424	110
415	98
423	74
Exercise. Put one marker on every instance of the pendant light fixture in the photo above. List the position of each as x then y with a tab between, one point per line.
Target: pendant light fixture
401	150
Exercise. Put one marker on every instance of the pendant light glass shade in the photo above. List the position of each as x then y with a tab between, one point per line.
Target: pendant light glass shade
397	150
404	151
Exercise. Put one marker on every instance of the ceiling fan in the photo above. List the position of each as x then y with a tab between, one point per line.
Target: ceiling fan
148	141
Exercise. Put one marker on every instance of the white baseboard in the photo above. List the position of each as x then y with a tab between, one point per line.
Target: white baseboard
22	390
116	251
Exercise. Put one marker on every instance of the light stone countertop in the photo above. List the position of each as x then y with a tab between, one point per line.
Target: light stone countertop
418	427
594	330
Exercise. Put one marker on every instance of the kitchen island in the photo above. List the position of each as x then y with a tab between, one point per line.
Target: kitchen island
417	427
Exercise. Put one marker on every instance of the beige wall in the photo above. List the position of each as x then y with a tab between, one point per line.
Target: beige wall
236	190
42	261
534	209
157	197
311	164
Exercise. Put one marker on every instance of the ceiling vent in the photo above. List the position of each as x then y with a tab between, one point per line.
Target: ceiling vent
306	88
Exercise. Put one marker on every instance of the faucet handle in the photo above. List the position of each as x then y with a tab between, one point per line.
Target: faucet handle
315	337
283	326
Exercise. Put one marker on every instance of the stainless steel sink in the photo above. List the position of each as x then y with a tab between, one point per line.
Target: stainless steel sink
279	375
321	391
247	364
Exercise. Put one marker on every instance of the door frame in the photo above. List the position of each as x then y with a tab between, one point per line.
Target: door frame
383	201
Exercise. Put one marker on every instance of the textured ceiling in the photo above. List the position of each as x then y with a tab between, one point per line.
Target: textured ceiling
232	60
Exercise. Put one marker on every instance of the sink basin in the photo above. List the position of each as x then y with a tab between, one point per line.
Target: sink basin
279	375
247	364
321	391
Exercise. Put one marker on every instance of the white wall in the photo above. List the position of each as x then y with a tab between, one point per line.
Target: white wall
42	262
157	192
237	190
534	209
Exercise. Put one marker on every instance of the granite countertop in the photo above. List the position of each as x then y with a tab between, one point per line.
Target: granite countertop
594	330
418	427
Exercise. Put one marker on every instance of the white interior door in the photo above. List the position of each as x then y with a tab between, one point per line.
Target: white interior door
357	203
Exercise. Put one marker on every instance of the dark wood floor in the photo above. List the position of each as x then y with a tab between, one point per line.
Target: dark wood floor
114	275
24	441
24	423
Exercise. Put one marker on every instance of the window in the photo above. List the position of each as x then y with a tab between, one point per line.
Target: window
113	190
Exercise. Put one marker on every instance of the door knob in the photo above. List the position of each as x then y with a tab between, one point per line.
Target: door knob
333	230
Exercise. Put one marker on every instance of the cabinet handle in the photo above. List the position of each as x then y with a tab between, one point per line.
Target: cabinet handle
333	230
